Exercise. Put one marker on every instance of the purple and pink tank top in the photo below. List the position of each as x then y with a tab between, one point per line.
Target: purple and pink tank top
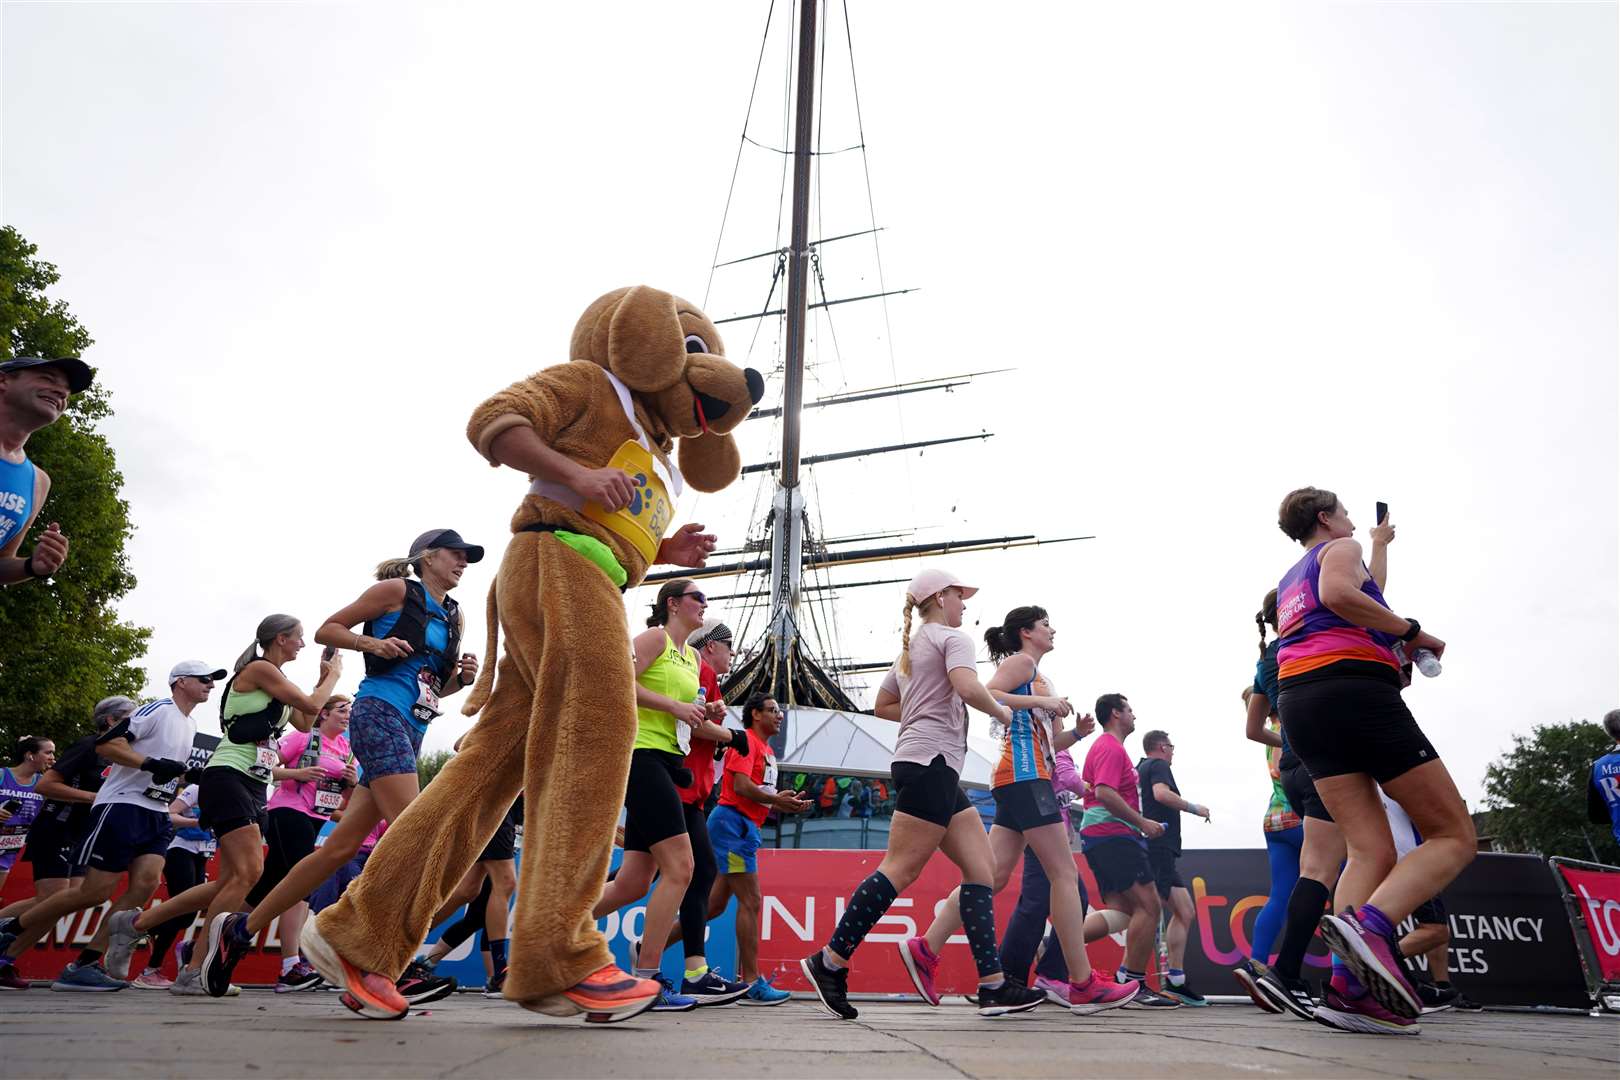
1312	638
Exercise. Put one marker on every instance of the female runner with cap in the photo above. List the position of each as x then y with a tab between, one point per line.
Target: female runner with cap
1028	814
928	690
411	632
1339	696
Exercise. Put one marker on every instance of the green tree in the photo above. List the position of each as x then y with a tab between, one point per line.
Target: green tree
64	647
428	766
1536	793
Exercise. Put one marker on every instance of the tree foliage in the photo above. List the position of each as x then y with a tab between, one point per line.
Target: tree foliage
63	646
428	766
1536	793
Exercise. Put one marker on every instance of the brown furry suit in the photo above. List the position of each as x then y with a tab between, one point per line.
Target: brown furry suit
561	718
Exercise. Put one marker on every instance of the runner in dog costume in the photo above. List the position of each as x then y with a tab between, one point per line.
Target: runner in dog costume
596	436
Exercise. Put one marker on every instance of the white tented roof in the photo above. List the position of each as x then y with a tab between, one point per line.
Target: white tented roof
858	744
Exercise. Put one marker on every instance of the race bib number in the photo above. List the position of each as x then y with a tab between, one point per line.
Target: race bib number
643	521
683	736
768	783
207	847
426	708
268	757
12	841
328	796
163	793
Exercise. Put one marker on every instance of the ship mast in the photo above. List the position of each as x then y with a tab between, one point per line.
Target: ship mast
787	503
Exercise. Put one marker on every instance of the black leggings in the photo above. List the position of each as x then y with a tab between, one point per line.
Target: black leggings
182	870
472	920
291	837
695	904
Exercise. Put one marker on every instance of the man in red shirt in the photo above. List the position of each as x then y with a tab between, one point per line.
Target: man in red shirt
1112	837
747	796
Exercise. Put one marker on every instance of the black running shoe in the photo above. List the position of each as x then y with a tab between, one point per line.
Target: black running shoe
1248	974
1147	999
1010	997
1436	999
496	984
1464	1003
831	985
225	950
419	985
1290	995
712	989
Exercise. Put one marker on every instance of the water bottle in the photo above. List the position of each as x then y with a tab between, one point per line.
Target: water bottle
312	753
1426	662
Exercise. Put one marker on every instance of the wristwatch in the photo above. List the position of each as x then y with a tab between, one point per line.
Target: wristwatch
1413	629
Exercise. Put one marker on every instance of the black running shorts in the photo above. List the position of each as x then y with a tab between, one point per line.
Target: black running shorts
1352	724
931	792
1431	912
1301	789
229	799
1118	862
503	845
1026	804
652	802
1162	861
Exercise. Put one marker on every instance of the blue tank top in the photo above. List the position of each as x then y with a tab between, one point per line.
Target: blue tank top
400	686
16	497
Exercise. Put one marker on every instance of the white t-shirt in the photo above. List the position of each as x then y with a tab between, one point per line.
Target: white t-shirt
158	729
1400	827
933	719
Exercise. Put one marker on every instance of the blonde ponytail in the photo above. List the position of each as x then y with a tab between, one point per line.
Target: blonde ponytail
905	637
389	569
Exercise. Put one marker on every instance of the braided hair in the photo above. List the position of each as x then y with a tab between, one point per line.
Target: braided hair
1266	616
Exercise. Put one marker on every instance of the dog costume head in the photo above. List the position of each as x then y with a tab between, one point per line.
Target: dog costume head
670	356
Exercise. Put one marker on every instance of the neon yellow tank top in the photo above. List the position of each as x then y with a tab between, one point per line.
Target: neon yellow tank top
675	675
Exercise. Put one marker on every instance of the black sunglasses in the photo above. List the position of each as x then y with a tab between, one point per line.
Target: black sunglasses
700	597
206	680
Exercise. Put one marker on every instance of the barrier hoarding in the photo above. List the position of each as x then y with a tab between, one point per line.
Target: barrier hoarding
1592	892
1509	942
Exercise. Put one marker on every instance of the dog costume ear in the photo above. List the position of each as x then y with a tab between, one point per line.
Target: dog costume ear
710	462
646	345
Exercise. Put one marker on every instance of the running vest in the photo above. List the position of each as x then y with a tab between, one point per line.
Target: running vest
657	486
675	675
411	627
251	722
1313	640
16	497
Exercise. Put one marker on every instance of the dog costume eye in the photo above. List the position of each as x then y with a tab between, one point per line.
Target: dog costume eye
696	344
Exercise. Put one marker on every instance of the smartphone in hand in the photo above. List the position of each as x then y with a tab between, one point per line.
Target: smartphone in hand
1383	512
329	652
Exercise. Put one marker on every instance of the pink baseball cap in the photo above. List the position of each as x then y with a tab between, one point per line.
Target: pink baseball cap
929	582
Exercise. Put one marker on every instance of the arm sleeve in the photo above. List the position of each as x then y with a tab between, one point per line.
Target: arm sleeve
547	401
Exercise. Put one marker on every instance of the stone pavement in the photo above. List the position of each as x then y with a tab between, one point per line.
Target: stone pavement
143	1033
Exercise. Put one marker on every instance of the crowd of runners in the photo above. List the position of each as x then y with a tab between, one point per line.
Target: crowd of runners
1364	831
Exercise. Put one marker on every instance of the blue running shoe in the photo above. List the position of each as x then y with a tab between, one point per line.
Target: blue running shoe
86	979
670	1001
761	992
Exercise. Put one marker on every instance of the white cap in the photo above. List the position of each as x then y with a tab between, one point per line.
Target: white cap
929	582
195	668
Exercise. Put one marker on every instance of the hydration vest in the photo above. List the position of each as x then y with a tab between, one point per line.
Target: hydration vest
411	628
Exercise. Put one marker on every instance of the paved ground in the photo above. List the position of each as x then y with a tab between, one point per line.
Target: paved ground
141	1033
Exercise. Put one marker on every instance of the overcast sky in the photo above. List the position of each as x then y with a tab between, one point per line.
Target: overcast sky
1229	250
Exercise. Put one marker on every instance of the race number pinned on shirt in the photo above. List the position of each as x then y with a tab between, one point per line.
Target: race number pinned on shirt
328	795
768	783
266	759
10	841
163	793
426	707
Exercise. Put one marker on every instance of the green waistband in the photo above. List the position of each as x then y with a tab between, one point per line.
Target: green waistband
597	552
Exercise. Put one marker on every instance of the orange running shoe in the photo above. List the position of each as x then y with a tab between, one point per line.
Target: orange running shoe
605	996
365	992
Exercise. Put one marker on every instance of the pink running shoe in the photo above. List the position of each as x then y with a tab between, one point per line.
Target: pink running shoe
921	963
1057	992
152	979
365	992
1360	1014
1099	995
1371	958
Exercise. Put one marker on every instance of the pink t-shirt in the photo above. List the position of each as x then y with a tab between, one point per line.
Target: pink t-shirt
933	720
373	836
289	793
1108	763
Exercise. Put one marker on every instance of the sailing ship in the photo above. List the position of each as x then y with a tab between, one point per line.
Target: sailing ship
783	605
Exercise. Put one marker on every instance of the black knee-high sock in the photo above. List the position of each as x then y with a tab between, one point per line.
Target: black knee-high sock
1305	906
867	904
977	904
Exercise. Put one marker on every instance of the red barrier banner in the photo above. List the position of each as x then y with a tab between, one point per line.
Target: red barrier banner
73	932
1597	895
